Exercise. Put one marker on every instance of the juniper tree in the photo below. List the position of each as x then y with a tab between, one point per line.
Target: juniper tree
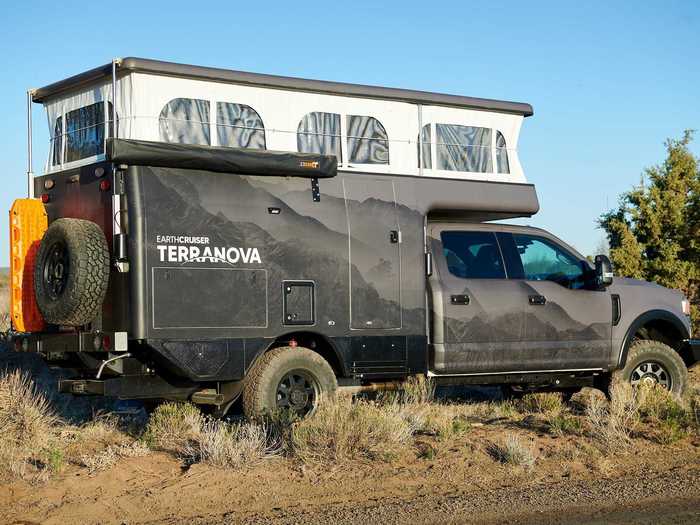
654	233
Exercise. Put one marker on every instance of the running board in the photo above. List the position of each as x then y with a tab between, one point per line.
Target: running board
555	378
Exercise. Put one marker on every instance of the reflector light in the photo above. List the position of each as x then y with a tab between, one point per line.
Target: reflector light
106	342
685	306
45	198
104	185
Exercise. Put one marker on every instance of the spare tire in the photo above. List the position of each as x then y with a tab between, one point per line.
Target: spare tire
71	272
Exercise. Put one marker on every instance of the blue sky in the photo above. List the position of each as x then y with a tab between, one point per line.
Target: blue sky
609	81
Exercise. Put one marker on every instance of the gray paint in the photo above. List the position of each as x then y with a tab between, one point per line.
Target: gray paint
100	74
637	298
209	321
500	331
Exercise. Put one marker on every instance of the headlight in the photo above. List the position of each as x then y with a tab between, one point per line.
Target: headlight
685	306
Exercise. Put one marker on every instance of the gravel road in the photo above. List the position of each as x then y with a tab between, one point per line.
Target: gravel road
672	497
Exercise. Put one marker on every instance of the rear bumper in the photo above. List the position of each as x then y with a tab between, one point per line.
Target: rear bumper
693	347
49	344
128	387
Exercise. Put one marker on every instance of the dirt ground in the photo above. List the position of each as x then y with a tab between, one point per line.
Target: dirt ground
460	485
458	482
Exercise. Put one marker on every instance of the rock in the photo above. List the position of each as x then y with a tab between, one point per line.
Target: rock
586	397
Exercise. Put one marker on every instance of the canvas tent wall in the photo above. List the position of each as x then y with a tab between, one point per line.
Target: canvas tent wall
369	129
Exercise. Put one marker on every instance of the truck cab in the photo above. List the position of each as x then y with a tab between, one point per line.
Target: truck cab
517	304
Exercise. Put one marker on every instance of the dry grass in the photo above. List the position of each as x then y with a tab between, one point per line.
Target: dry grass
341	430
612	425
108	458
648	411
27	426
548	403
230	445
172	426
180	428
34	443
512	450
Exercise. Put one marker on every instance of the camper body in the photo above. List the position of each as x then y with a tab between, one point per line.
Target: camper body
356	253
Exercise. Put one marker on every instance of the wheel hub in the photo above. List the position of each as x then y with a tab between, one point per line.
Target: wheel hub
55	272
651	373
297	391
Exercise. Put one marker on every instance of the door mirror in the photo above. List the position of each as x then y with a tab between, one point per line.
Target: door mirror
603	271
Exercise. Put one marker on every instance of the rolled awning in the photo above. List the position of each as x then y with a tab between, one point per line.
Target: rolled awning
224	160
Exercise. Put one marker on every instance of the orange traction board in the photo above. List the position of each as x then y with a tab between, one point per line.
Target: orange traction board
28	222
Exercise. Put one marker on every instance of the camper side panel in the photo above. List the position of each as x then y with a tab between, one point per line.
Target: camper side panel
223	264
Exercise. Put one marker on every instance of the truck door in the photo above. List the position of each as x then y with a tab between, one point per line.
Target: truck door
477	312
375	253
568	325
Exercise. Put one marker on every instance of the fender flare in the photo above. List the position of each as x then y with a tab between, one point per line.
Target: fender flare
646	317
342	372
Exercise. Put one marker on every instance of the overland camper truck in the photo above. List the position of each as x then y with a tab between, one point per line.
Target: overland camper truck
204	234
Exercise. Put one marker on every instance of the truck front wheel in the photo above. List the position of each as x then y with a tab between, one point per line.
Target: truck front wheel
653	362
288	379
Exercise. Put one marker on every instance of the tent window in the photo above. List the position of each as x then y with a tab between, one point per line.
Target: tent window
501	154
185	121
319	132
57	142
426	138
85	132
463	148
368	142
239	126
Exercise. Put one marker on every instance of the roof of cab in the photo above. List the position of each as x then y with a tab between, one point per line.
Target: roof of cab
279	82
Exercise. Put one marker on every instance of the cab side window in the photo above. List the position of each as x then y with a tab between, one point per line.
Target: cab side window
544	260
472	255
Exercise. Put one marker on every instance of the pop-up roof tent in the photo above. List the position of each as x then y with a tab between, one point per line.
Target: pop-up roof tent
368	129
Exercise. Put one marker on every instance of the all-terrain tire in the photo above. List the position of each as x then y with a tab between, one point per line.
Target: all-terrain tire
71	272
654	353
261	388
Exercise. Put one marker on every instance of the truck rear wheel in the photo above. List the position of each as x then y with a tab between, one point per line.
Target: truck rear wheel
653	362
286	378
71	272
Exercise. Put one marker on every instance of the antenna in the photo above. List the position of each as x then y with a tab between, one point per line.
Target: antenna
30	169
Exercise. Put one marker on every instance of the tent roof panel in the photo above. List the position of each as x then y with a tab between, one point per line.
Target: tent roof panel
279	82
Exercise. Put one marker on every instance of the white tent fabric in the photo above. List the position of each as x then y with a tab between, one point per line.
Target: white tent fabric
370	135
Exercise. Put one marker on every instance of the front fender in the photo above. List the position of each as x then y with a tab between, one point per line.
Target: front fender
645	318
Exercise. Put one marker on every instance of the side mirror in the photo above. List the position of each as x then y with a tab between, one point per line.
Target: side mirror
603	271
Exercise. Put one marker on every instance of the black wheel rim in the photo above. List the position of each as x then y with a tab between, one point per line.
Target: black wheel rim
298	392
651	373
56	267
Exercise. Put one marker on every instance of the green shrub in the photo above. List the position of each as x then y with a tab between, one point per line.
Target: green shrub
542	403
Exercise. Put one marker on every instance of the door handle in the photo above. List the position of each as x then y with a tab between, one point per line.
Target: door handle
459	299
537	299
394	236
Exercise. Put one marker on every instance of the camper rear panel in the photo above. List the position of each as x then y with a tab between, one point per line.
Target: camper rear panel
86	193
